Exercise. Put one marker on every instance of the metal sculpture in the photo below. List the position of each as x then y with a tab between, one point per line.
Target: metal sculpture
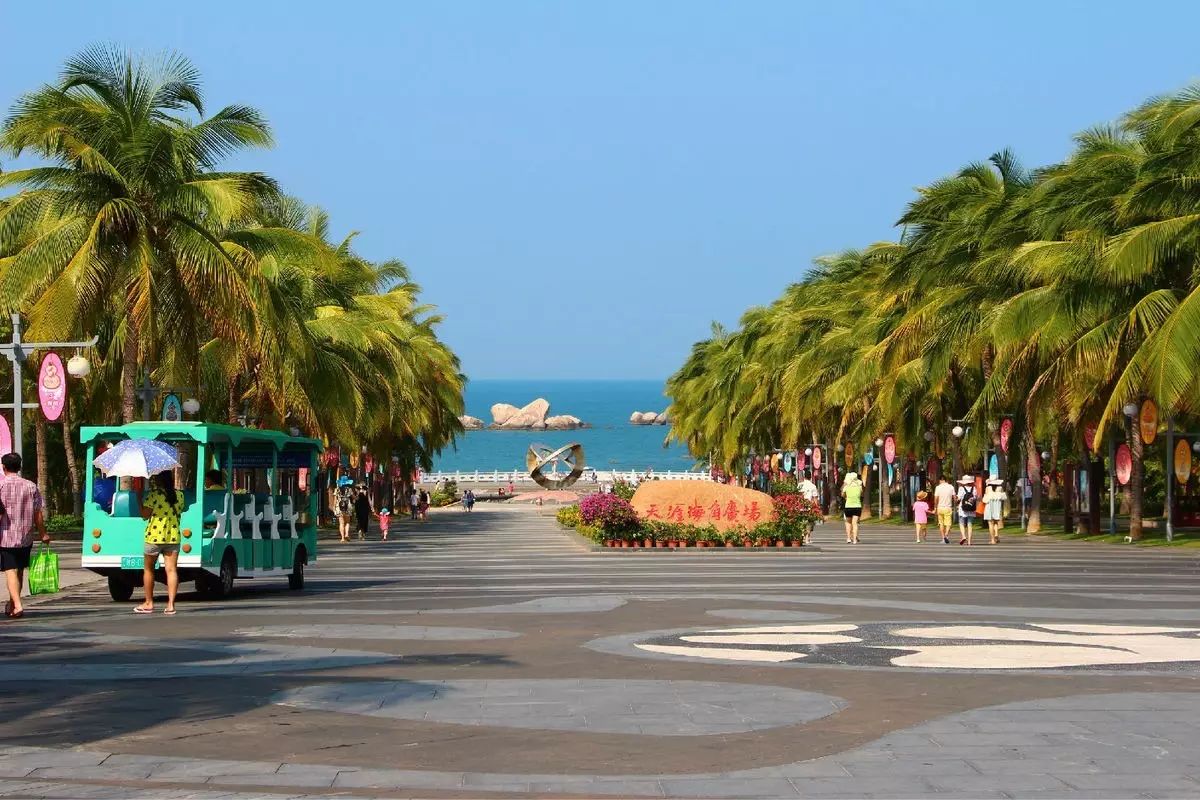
541	456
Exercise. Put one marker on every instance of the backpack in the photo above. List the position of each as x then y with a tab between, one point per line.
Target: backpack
345	503
967	504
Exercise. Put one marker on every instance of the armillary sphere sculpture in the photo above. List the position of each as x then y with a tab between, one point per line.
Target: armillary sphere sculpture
541	456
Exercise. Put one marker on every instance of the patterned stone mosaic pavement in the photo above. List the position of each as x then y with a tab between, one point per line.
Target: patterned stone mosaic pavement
491	655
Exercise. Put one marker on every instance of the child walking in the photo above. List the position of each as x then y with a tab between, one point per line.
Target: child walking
993	508
920	509
385	517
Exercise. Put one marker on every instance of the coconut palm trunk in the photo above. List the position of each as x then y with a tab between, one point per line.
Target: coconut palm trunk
886	488
866	499
43	456
129	370
1033	473
1137	453
72	462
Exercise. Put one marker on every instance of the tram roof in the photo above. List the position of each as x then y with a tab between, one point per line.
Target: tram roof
201	432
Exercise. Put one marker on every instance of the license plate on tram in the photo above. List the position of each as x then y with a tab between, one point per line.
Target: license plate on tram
131	562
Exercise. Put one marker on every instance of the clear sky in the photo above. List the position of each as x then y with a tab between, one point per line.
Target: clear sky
582	187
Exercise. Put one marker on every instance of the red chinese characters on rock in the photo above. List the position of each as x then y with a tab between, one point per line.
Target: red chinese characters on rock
702	504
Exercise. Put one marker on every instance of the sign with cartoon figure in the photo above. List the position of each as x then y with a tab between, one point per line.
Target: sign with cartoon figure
889	449
1148	421
1006	426
172	409
1183	460
6	442
52	387
1124	464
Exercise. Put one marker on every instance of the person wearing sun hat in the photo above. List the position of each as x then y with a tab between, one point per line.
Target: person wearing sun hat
994	498
966	508
920	509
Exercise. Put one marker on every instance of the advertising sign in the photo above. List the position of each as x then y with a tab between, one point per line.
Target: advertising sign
1183	460
889	448
172	408
849	454
52	387
1148	421
816	458
1006	427
1124	464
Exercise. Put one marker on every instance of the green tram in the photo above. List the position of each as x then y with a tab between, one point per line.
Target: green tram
260	521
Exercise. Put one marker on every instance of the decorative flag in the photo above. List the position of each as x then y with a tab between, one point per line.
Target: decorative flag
52	386
1183	460
816	458
1148	421
993	467
1006	426
889	449
1124	464
849	454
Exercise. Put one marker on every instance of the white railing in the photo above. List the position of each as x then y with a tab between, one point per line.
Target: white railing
589	476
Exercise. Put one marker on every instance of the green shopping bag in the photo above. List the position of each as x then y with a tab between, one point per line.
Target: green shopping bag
43	571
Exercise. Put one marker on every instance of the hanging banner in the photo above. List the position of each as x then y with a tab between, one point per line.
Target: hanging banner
869	457
1183	460
52	387
933	468
1006	427
302	479
1124	464
6	442
994	466
1089	437
816	458
1148	421
849	454
889	449
172	408
801	460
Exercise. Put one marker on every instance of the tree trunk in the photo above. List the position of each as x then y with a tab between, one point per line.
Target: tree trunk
1054	467
43	459
72	464
886	487
1136	451
129	371
231	402
866	501
1033	470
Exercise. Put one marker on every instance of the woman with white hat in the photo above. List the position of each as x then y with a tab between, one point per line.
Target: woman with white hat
966	508
994	499
852	491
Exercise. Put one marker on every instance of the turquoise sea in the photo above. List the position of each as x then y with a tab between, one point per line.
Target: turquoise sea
611	442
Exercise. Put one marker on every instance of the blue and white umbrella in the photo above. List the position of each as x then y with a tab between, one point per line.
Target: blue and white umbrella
137	458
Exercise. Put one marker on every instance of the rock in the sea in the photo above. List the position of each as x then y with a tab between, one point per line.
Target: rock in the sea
532	416
472	423
661	419
563	422
503	412
644	417
635	418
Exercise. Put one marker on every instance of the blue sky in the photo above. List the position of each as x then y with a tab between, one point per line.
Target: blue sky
581	188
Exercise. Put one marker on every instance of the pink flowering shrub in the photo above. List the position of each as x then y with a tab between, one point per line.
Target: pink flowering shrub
793	515
608	512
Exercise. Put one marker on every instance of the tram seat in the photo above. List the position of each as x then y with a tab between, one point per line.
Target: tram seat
214	503
125	504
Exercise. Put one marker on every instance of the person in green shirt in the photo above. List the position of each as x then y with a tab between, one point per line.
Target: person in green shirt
852	492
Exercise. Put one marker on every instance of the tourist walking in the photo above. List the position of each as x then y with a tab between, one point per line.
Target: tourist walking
808	490
343	506
852	492
20	512
920	509
423	505
362	511
161	509
943	503
414	508
470	498
967	501
994	498
385	518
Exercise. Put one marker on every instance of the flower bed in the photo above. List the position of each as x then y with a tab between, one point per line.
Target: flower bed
610	520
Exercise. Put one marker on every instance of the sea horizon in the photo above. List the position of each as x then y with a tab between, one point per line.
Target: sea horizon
605	404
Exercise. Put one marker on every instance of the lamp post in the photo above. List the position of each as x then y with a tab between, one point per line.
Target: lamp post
958	432
879	468
16	352
1130	410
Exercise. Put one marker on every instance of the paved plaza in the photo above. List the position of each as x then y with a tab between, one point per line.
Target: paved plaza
495	655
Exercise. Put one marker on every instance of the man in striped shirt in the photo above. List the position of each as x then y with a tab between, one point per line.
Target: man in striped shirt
22	504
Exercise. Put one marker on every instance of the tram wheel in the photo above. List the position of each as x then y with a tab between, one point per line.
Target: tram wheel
296	579
119	588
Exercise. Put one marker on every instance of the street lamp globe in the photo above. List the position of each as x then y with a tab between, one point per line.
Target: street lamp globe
879	442
191	406
957	431
928	436
79	367
294	431
1045	455
1196	445
1130	410
808	451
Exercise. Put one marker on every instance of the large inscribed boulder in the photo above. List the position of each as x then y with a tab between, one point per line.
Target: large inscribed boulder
702	503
